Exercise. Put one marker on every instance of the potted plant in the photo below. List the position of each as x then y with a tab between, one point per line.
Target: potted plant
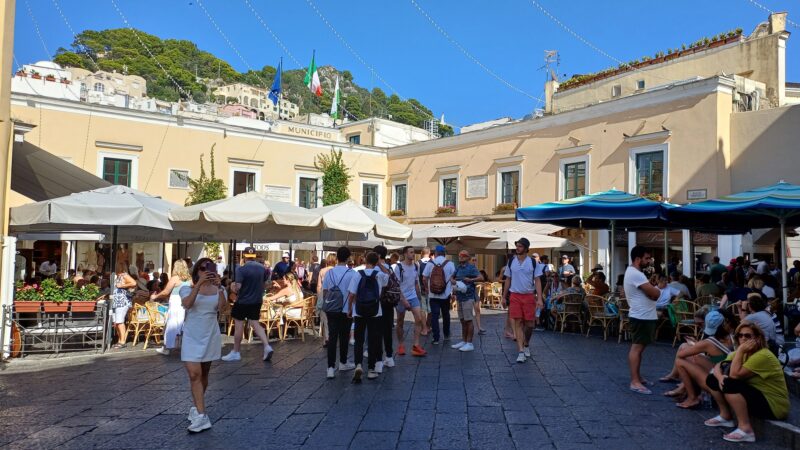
50	77
27	298
53	298
86	298
21	73
397	213
505	208
35	75
447	210
64	80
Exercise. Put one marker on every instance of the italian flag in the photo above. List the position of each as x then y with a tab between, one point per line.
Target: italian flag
335	102
312	78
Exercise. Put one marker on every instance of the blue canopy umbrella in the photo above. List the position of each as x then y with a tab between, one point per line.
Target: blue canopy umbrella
765	207
603	210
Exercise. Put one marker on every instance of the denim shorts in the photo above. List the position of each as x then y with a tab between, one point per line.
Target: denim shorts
413	301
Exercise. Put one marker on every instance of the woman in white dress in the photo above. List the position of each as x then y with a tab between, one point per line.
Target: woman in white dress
175	314
201	342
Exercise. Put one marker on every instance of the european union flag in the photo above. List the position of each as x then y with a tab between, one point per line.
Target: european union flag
276	85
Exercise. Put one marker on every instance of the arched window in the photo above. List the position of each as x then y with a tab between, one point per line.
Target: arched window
99	87
246	100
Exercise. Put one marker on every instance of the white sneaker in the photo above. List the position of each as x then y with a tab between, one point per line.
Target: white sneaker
232	356
459	345
379	367
352	342
527	352
347	366
193	414
467	347
388	362
372	374
163	351
521	357
331	372
366	354
200	423
268	352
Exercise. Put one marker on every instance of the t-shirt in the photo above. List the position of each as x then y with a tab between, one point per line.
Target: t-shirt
768	291
383	280
221	266
681	288
449	272
762	267
763	320
642	307
408	277
340	276
251	277
666	295
768	379
281	268
566	268
521	275
716	271
466	271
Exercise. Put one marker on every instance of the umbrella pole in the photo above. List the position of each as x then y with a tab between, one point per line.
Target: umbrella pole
113	279
611	248
251	235
291	256
233	263
179	248
666	250
784	280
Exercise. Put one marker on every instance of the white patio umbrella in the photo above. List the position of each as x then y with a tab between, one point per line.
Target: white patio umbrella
448	234
350	217
506	241
250	215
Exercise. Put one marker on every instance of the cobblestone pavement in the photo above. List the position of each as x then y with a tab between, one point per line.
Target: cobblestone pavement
572	395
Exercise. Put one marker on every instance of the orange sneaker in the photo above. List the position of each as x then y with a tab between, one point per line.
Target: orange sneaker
401	350
418	351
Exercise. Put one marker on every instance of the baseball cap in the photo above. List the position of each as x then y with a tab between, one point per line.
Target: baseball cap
285	254
713	321
523	242
440	249
249	252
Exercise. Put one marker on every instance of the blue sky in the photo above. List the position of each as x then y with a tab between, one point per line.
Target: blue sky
508	37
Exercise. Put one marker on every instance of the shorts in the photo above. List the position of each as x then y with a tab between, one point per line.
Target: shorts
522	306
757	404
246	312
120	313
425	304
466	310
643	332
413	301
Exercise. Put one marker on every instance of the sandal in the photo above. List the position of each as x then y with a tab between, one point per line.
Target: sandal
641	390
118	346
738	435
669	379
682	405
719	421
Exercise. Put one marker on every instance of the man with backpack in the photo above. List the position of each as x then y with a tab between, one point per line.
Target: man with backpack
335	288
408	273
524	284
364	307
438	277
390	298
424	304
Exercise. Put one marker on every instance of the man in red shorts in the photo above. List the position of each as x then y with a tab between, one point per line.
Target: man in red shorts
522	280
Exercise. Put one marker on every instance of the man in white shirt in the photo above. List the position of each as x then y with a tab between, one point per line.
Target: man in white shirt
358	306
407	273
340	277
221	266
440	290
424	304
641	296
762	267
526	302
48	268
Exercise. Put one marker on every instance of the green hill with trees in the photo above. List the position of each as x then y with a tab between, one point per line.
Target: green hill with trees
195	70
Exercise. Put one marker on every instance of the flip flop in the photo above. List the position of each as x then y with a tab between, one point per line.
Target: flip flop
669	379
738	435
642	390
718	422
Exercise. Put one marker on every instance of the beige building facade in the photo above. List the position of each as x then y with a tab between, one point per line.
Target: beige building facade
257	100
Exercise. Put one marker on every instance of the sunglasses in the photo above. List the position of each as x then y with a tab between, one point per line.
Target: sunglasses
744	336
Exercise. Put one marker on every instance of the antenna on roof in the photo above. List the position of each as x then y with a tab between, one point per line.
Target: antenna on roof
551	57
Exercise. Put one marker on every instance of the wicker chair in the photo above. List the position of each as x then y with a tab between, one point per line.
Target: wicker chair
270	318
707	300
569	308
299	315
598	314
684	310
138	321
494	296
157	322
624	319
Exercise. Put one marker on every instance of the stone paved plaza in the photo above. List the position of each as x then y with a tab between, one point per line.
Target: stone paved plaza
572	395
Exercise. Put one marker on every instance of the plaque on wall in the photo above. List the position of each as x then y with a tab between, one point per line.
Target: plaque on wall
278	193
478	186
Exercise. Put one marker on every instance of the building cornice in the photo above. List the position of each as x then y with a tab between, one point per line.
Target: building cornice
112	112
658	96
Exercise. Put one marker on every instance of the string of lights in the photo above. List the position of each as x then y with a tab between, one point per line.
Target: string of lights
38	31
764	8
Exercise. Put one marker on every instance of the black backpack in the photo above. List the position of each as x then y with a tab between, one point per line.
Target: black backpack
391	292
368	294
334	297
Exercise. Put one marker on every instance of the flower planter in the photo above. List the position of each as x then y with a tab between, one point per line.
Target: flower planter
22	73
83	305
36	76
55	307
27	307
